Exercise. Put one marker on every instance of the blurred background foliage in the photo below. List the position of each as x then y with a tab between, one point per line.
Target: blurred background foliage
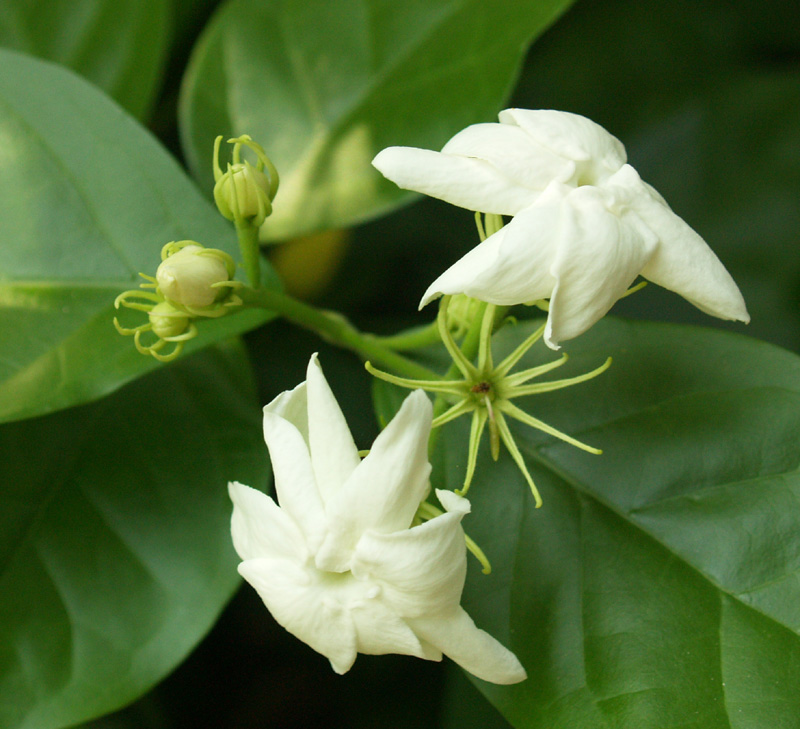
706	98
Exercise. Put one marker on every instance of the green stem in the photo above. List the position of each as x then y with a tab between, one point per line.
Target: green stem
469	348
415	338
334	328
250	249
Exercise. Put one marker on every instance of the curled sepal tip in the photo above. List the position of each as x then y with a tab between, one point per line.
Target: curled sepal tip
168	324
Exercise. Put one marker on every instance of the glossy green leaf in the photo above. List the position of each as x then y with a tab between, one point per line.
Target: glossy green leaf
324	86
115	553
119	45
87	200
658	584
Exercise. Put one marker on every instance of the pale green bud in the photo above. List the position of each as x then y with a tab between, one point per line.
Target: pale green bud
167	321
245	192
460	314
242	189
187	276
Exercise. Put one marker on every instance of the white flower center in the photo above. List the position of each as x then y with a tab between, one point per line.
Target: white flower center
344	588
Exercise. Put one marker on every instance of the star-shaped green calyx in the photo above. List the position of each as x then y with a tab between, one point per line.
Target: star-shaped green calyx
487	390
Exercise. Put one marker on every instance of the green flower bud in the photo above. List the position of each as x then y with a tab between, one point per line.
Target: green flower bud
244	192
167	321
460	314
188	276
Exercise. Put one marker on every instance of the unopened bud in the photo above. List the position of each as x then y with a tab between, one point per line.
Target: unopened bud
187	275
167	321
244	191
461	312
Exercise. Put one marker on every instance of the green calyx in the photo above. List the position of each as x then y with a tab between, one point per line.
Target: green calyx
487	390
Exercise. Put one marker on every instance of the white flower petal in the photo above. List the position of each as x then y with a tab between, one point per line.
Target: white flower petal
334	455
598	257
386	489
582	259
572	136
304	608
510	267
261	529
513	153
458	637
294	477
379	630
292	405
683	262
421	570
467	182
453	502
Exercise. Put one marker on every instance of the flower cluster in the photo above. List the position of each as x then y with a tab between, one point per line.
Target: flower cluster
584	223
354	559
341	563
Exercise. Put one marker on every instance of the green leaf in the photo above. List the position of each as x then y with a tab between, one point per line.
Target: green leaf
87	200
115	553
658	584
119	45
324	86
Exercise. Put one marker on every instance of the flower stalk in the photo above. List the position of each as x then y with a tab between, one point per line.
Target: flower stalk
335	329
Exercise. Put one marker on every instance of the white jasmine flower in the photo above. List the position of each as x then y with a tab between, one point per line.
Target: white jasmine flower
338	563
585	225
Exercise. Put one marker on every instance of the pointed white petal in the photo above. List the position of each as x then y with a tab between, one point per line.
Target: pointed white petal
421	570
387	487
292	405
334	455
572	136
460	277
466	182
513	153
599	256
513	265
379	630
294	477
473	649
261	529
301	605
683	262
